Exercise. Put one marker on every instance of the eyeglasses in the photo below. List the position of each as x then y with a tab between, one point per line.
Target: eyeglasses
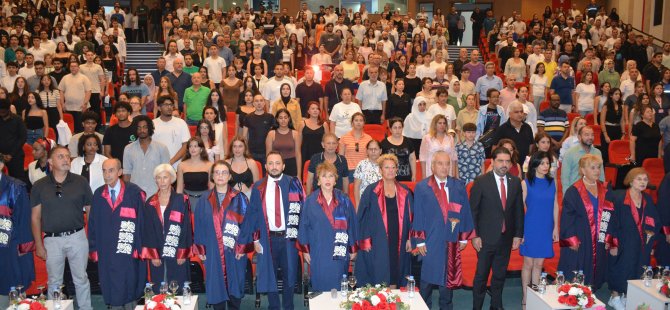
59	190
356	149
222	173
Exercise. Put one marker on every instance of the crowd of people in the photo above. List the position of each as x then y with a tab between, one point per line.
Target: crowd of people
333	137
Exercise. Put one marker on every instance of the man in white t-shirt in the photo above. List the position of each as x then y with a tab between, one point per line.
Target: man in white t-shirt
171	55
271	89
38	50
258	39
216	66
534	58
442	107
171	131
358	30
342	27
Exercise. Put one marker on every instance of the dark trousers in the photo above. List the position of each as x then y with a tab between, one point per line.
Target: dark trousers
666	158
496	257
373	116
476	31
453	35
460	35
233	304
95	107
129	34
446	295
76	118
279	259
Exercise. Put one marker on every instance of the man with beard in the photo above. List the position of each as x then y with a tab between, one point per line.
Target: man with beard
277	198
570	164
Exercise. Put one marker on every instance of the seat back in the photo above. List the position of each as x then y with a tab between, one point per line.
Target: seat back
619	151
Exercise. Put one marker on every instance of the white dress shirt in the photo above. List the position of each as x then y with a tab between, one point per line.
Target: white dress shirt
270	204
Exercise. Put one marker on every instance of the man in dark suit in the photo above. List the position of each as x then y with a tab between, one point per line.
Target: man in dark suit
497	210
271	225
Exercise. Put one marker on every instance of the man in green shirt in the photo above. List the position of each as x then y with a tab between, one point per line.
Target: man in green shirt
195	99
189	67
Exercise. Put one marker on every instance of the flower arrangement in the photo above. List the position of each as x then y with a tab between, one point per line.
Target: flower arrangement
576	295
29	304
643	306
664	287
162	302
378	297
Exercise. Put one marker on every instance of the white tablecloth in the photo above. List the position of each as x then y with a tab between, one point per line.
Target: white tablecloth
639	294
324	301
65	305
192	306
549	300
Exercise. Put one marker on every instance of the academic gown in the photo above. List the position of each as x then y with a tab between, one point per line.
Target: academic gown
16	238
636	233
329	237
442	263
256	228
168	237
216	237
662	251
579	224
114	241
372	262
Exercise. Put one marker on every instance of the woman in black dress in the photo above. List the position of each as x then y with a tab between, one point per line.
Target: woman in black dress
645	138
402	148
314	129
399	103
611	120
244	170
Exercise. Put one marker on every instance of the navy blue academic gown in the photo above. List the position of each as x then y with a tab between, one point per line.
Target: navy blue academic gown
16	239
662	251
329	236
167	237
114	240
256	228
373	266
216	237
579	224
636	233
442	263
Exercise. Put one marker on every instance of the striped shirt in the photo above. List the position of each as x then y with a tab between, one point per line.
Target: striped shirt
554	121
348	144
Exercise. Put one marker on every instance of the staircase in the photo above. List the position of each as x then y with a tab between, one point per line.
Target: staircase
142	56
453	51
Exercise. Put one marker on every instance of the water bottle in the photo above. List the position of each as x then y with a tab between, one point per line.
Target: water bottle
344	284
648	275
411	284
187	293
542	286
560	279
666	272
579	278
148	292
164	288
13	297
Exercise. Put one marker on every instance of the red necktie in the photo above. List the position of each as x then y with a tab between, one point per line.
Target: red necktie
445	207
503	199
277	205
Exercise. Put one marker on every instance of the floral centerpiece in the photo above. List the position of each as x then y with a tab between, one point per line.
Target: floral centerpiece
378	297
576	295
162	302
29	304
664	287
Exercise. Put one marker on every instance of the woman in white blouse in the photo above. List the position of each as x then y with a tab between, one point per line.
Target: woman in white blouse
40	167
538	86
340	116
89	161
322	57
584	94
516	66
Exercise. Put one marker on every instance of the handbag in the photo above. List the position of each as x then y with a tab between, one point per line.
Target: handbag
488	138
64	133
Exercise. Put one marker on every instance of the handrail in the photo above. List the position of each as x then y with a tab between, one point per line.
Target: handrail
647	35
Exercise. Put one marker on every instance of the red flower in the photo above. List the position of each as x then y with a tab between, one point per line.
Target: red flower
382	297
561	299
382	306
160	306
356	306
397	299
392	307
565	288
586	290
36	306
159	298
572	300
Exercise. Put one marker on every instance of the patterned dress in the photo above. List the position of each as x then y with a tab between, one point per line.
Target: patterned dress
470	160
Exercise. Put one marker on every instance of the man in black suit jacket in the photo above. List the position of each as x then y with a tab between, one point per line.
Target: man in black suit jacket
498	213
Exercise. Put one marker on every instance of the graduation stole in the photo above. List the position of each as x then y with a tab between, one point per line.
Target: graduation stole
598	223
128	216
6	224
645	235
235	209
401	195
174	230
337	217
296	197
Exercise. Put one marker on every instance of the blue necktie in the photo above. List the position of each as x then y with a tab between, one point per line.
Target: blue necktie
113	197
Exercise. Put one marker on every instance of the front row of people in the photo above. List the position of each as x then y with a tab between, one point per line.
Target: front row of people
600	230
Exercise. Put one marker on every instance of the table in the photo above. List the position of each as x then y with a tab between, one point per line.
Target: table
639	294
324	301
549	300
192	306
65	305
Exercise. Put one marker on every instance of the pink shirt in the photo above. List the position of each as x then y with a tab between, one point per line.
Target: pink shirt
506	97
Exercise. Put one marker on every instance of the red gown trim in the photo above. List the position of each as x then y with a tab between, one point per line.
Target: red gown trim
569	242
365	244
594	219
5	211
93	256
119	198
26	247
628	200
150	253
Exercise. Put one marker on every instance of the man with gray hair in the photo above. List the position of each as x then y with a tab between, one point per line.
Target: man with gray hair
486	82
516	129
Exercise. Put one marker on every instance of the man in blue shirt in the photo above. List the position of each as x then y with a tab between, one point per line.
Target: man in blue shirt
564	85
487	82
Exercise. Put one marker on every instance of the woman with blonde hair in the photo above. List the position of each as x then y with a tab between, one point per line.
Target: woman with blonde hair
437	139
244	169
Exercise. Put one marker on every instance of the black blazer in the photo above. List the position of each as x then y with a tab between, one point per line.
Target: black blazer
487	211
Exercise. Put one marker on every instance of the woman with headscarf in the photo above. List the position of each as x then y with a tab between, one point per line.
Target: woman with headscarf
417	123
291	104
150	102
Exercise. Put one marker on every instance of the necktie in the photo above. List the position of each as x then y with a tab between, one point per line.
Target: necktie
113	197
277	205
503	199
445	197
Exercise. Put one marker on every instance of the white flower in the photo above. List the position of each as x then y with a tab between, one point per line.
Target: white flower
151	304
378	285
374	300
575	291
23	307
582	301
175	307
361	294
168	302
